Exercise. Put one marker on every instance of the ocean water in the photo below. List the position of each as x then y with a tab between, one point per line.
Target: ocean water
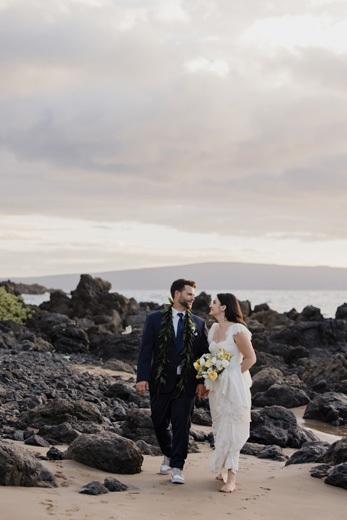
280	301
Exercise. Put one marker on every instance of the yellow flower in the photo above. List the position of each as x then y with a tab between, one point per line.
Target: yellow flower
197	377
196	365
228	354
212	375
208	362
220	348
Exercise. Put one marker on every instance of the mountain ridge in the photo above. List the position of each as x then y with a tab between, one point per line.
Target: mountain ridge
228	275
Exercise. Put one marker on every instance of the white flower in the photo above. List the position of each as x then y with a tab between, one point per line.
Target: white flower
225	363
219	364
202	361
214	360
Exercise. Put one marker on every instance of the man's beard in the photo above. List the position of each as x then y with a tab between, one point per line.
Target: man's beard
184	303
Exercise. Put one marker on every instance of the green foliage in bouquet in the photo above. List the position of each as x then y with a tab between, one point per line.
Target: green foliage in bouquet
11	307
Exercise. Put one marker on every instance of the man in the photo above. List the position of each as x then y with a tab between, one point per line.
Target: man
172	340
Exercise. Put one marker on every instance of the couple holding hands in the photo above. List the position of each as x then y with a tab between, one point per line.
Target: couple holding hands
172	341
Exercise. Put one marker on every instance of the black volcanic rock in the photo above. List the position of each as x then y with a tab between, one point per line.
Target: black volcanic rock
309	452
112	484
282	395
58	434
277	425
330	407
265	378
260	451
94	488
313	334
119	346
327	375
128	394
336	453
338	476
310	313
61	411
341	312
138	425
69	339
108	452
202	303
18	467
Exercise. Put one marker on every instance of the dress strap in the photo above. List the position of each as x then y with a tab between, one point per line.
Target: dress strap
236	328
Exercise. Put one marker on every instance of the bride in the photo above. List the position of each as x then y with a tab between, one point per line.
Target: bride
229	394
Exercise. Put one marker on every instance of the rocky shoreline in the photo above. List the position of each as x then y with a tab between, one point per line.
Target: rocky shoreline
49	399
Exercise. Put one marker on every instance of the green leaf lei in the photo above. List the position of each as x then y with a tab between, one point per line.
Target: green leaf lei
165	335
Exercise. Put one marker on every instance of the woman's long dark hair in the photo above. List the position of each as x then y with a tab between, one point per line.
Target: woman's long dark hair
233	310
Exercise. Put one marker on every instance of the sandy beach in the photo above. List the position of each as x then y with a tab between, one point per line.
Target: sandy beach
265	489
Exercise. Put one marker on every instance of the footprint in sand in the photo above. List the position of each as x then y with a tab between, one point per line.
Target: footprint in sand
49	506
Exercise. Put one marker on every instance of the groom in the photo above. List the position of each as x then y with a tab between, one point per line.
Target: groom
172	340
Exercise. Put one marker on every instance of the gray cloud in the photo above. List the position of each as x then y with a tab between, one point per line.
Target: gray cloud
102	119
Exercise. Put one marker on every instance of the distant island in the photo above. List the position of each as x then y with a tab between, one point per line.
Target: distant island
228	275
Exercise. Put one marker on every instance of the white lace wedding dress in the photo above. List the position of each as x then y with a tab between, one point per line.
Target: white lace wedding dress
230	404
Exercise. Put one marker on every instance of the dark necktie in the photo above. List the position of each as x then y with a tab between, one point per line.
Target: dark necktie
179	335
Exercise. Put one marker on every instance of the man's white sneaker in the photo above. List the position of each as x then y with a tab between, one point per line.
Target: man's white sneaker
165	466
177	476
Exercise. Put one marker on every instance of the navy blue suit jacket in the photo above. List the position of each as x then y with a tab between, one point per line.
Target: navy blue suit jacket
149	351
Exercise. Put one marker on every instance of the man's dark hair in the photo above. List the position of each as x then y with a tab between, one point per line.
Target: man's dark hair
178	285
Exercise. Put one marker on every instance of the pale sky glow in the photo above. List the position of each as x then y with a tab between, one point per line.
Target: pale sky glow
140	133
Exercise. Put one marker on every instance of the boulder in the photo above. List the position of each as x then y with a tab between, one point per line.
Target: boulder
92	298
326	375
59	302
264	452
94	488
128	394
282	395
36	440
69	339
202	417
310	313
309	452
138	425
271	319
313	334
320	471
202	303
18	467
330	407
54	454
338	476
277	425
109	452
148	449
341	312
336	453
58	434
118	346
265	378
112	484
59	411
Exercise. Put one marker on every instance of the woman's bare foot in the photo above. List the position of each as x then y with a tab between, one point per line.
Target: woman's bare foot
219	477
230	484
228	488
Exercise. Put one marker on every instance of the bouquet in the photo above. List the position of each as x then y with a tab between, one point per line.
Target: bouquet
210	366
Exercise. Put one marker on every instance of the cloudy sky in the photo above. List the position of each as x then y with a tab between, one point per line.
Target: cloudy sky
141	133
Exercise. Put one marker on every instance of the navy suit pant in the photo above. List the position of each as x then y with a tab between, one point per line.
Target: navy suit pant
172	418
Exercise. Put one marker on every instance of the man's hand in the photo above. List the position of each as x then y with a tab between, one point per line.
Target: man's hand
201	391
142	386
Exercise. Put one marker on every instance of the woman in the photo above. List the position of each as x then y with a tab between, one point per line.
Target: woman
229	394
